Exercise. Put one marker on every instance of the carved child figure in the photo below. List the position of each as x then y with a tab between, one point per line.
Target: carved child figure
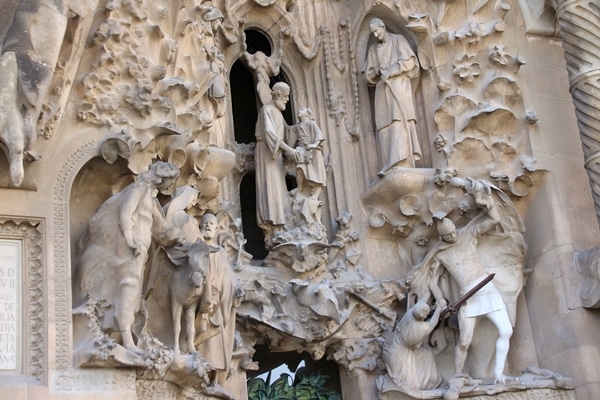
310	168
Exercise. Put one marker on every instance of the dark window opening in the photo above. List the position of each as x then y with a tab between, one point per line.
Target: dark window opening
243	103
256	41
290	182
255	239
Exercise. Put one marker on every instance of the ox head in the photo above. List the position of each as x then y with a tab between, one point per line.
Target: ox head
194	257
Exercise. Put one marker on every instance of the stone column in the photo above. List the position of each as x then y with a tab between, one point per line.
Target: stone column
579	22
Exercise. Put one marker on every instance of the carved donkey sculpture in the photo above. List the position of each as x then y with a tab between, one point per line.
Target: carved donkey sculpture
188	288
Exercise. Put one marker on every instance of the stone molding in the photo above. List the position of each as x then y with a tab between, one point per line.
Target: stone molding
31	231
62	282
87	380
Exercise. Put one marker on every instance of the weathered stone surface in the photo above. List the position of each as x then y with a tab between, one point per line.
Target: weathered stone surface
396	126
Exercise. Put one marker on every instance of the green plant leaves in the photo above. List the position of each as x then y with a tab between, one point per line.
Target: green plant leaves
311	387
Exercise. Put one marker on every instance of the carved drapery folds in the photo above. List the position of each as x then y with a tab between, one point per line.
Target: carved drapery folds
153	83
484	157
157	84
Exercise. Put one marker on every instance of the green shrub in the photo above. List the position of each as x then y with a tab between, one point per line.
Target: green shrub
311	387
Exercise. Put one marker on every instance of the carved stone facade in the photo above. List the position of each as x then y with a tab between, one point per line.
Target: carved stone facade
397	187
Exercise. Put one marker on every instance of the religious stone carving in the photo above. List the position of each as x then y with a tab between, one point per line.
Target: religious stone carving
127	222
390	66
335	63
409	362
217	326
272	203
263	68
458	255
194	280
343	251
196	277
492	123
310	168
488	240
28	62
152	85
301	30
187	287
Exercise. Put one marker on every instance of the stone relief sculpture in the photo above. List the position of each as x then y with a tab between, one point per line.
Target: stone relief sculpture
127	222
409	363
390	66
263	68
344	250
492	122
29	54
177	213
189	279
458	255
310	168
272	201
217	326
488	240
155	85
188	289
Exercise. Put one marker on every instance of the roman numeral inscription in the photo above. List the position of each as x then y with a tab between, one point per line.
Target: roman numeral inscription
10	273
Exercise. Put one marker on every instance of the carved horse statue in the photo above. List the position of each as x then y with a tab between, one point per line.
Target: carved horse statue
188	289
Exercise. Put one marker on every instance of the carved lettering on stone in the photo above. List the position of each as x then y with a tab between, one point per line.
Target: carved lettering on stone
94	379
11	264
30	303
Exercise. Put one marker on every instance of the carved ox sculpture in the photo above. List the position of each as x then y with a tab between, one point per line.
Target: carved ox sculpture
188	289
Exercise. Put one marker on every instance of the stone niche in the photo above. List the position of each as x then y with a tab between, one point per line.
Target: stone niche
196	191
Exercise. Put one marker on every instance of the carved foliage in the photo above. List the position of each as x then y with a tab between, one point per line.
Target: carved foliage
480	95
147	70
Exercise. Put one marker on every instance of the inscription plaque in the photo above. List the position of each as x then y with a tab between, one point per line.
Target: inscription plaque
10	303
